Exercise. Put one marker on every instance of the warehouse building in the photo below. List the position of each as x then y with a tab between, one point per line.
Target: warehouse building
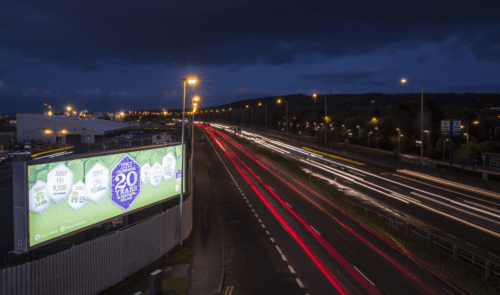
65	130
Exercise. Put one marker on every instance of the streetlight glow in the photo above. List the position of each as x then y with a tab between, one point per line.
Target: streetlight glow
191	80
403	81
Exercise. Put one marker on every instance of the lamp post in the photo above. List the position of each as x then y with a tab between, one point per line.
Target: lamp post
369	138
326	118
286	104
422	116
194	102
399	135
467	134
428	141
251	125
265	114
444	144
376	128
190	81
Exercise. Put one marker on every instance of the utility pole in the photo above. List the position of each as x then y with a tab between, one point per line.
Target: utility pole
286	103
325	118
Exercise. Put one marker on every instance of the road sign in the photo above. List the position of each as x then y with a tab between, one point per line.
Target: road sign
418	143
452	126
350	134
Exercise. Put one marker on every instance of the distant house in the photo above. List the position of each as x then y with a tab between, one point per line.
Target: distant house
4	141
493	128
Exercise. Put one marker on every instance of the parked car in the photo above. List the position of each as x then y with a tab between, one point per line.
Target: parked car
4	158
117	222
27	146
22	152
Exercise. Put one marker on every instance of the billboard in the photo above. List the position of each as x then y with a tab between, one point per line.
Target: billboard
71	194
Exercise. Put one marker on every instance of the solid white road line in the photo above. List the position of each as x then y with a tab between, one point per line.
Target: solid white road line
364	276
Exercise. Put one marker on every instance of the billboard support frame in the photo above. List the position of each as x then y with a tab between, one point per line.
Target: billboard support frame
21	196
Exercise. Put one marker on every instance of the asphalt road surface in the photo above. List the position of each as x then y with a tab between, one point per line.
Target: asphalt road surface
468	218
328	252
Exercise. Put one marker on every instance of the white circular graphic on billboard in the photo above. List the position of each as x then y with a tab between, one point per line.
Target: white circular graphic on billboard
97	183
59	183
145	173
155	177
39	201
168	167
77	199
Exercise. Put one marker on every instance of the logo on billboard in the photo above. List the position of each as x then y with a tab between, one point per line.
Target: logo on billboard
125	182
178	176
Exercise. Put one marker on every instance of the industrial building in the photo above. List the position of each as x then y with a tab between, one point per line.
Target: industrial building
65	130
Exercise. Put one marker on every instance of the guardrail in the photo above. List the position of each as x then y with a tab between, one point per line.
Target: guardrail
489	267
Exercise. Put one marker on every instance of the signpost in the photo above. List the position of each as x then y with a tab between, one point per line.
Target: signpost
418	143
451	128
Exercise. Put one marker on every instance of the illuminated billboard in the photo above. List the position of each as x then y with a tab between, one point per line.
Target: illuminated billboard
67	196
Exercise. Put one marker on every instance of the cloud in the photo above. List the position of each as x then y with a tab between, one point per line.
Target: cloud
351	78
89	91
93	34
423	57
478	88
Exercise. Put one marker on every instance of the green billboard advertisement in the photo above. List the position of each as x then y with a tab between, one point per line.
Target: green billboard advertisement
67	196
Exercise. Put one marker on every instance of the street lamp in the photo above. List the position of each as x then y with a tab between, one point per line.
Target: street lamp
444	145
428	141
286	103
466	134
190	81
376	128
314	96
265	114
399	135
195	104
422	116
369	138
252	115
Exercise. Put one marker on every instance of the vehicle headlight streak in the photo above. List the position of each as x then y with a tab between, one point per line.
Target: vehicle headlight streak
407	199
335	282
316	234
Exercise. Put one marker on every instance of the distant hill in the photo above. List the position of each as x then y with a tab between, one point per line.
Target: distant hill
370	101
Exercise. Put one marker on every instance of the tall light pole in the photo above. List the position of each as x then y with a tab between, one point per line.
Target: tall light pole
194	103
326	118
369	138
428	141
467	134
421	118
444	145
251	125
265	114
190	81
399	135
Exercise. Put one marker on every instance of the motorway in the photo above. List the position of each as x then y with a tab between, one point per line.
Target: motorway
463	215
328	252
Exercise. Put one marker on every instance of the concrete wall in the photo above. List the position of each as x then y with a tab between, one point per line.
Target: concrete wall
31	128
393	164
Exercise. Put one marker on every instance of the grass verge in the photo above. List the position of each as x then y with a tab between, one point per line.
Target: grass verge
175	256
460	273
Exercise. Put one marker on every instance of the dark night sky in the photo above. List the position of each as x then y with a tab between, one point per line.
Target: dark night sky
134	54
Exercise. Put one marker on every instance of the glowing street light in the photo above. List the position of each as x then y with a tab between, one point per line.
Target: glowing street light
190	81
403	81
